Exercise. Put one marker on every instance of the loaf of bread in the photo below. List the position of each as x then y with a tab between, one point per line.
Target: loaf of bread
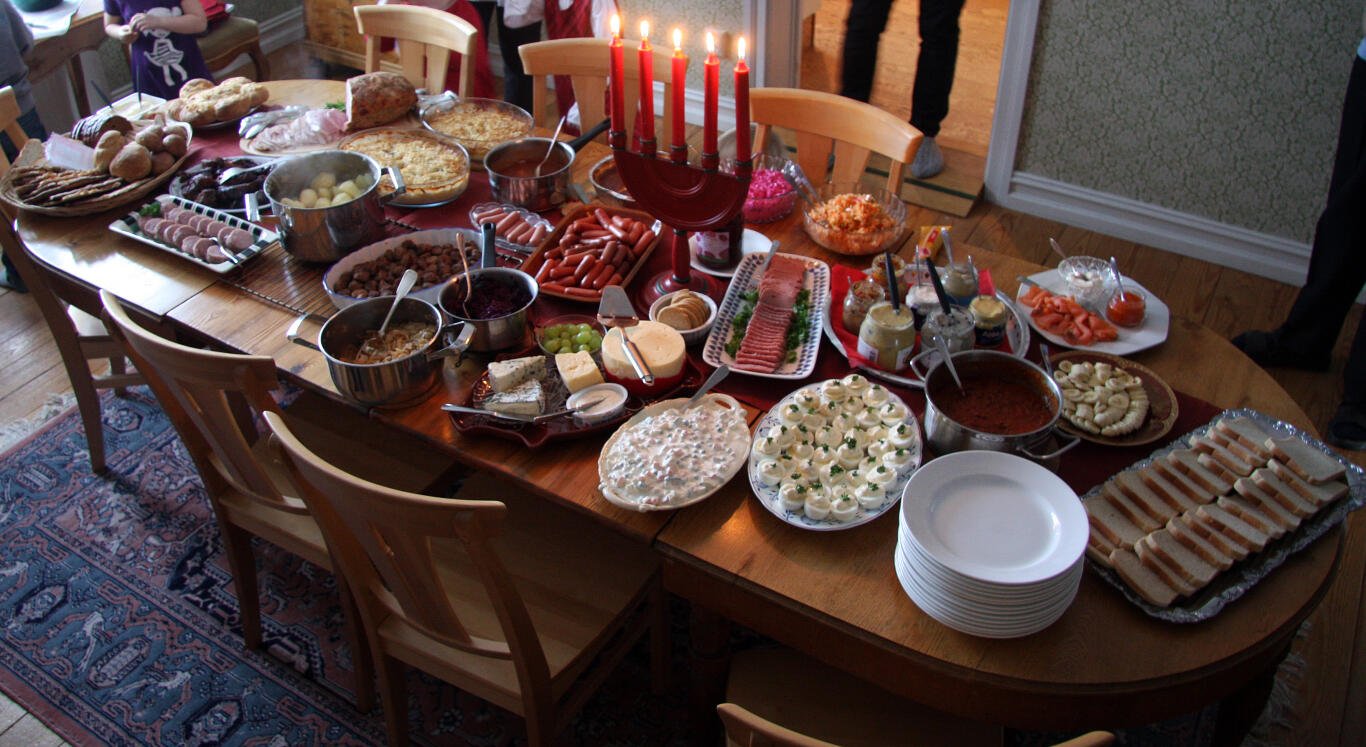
1169	528
376	99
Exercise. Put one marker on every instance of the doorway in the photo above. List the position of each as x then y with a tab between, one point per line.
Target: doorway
966	132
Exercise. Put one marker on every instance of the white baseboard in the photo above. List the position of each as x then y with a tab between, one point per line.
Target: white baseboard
1182	233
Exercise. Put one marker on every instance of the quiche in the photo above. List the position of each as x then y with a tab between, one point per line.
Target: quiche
434	170
478	124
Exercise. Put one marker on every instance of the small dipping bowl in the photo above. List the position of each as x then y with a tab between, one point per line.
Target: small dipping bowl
1088	279
611	406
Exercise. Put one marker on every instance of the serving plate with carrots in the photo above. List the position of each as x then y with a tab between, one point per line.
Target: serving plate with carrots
1062	321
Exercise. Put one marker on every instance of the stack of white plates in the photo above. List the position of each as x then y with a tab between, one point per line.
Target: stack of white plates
990	544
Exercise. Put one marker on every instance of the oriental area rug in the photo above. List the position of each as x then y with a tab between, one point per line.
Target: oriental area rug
120	625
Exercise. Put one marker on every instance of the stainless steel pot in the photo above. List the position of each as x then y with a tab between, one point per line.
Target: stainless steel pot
498	333
329	233
511	167
981	368
391	382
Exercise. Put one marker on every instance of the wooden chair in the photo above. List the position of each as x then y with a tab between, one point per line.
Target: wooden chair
585	62
427	37
213	399
81	338
820	706
9	122
231	38
509	600
826	123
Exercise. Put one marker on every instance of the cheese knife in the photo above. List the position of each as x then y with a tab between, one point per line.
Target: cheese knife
615	310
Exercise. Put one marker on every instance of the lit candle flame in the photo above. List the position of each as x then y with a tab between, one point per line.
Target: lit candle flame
615	24
711	43
678	38
644	30
740	50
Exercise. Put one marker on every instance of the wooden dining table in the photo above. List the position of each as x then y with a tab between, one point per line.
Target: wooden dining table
832	595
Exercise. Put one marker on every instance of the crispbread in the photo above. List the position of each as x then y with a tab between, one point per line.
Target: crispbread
1170	491
1150	502
1128	508
1192	568
1270	504
1111	523
1307	461
1212	534
1232	527
1173	576
1319	495
1219	453
1141	579
1255	516
1197	544
1187	461
1247	433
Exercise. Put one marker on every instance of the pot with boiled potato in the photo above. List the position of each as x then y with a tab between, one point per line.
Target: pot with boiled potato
328	203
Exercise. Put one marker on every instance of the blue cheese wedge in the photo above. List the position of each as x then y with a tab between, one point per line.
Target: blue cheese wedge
526	398
505	376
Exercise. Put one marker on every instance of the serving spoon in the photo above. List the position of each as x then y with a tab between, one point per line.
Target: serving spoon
405	284
721	372
553	140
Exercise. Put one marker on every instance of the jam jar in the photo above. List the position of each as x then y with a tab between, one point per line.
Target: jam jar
961	283
887	336
860	297
957	328
990	316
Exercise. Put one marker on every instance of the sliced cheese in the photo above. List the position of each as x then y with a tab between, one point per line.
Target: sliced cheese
505	375
578	370
660	345
526	398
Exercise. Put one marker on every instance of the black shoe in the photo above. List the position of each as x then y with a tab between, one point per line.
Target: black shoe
1347	429
1267	351
10	279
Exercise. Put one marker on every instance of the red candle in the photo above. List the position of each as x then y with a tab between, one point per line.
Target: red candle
741	105
647	84
711	82
680	83
618	77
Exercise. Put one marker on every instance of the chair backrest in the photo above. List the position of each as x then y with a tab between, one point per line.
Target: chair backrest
204	392
9	122
426	38
586	63
382	539
748	730
826	123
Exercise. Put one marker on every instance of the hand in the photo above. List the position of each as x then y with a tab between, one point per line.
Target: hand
126	34
144	22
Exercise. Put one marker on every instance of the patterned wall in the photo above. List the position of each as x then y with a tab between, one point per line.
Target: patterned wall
1222	109
695	17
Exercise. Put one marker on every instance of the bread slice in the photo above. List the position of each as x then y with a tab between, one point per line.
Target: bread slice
1213	535
1128	508
1197	544
1218	468
1233	528
1288	501
1144	497
1098	548
1111	523
1227	459
1254	515
1141	579
1247	433
1236	447
1173	492
1269	504
1175	577
1186	461
1307	461
1319	495
1193	568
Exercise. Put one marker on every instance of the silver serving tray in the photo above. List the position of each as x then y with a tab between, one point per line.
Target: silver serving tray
1236	581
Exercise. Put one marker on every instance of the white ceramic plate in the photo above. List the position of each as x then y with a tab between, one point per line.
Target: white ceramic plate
751	242
747	276
768	494
128	226
737	441
1151	333
995	517
935	607
991	596
434	236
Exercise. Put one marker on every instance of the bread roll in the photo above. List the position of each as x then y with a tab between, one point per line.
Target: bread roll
108	147
133	162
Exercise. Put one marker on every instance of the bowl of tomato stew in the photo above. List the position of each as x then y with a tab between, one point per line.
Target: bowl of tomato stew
1006	404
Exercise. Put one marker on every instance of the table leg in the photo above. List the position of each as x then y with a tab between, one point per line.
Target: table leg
78	86
709	652
1240	710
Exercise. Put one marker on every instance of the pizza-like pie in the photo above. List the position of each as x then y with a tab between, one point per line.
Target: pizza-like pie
434	169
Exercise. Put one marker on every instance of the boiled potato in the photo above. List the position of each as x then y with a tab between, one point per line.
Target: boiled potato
349	188
324	180
308	197
322	203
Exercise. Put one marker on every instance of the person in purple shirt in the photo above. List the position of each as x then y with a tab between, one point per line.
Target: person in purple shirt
163	52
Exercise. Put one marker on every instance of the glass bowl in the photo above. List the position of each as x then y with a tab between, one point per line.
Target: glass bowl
772	189
1088	279
477	124
847	219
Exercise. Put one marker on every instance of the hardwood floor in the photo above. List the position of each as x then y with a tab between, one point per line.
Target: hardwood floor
1327	708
